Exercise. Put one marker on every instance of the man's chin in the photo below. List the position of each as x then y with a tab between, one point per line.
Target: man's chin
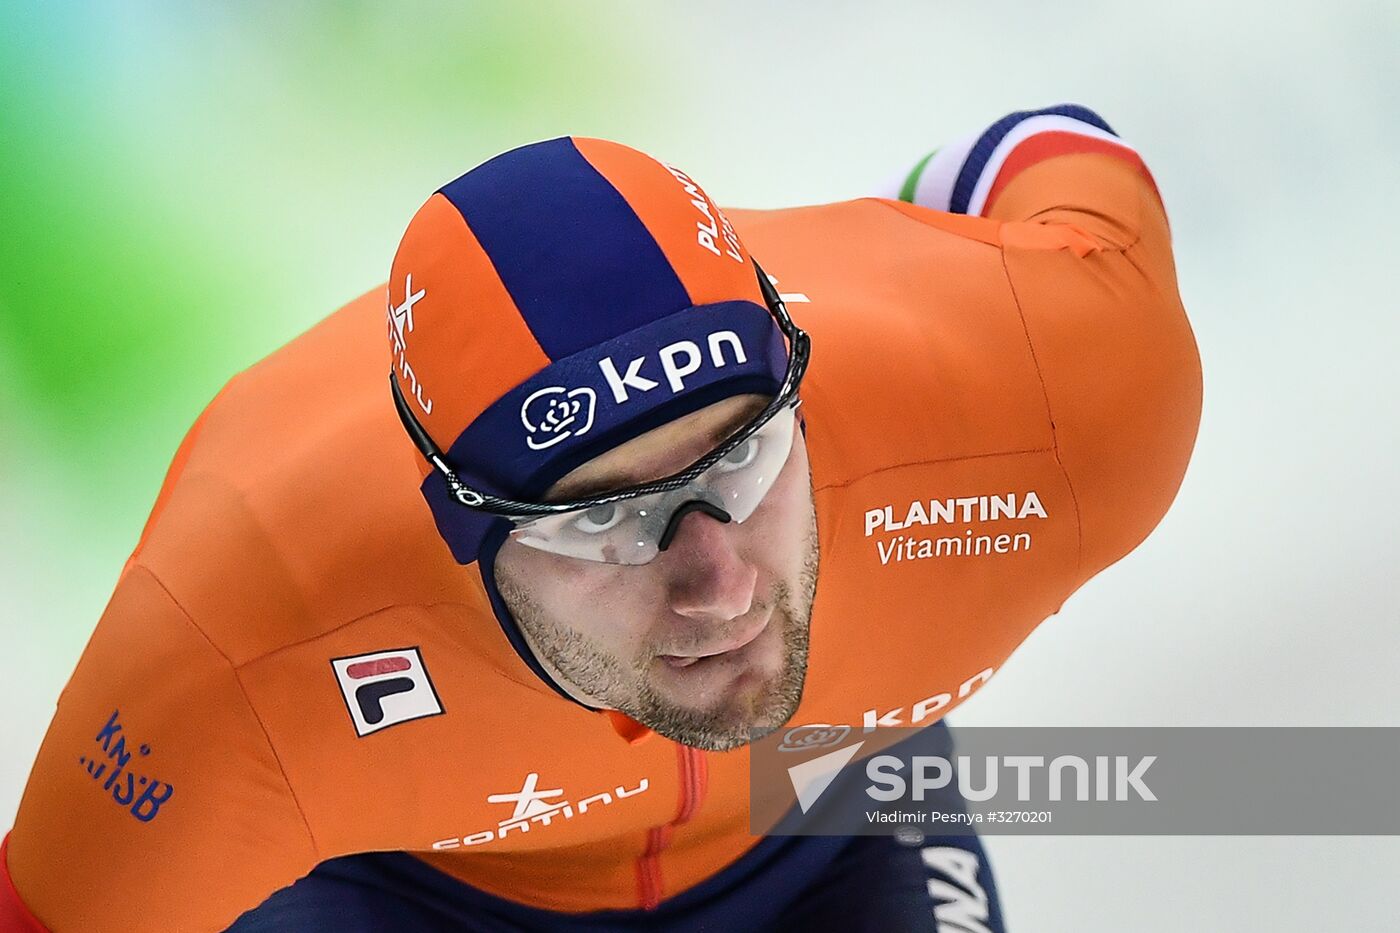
719	731
737	717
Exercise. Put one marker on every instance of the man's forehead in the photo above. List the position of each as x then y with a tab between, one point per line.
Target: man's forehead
662	450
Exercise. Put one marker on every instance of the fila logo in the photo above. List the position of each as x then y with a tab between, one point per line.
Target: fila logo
678	360
385	688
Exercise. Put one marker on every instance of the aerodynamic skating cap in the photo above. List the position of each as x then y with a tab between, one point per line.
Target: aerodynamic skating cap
561	299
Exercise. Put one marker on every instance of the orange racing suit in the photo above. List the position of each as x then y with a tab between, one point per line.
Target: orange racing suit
1003	397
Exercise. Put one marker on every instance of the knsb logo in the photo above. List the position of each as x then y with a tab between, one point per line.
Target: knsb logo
115	761
533	806
554	413
385	688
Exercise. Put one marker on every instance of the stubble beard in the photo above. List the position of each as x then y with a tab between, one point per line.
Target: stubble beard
736	720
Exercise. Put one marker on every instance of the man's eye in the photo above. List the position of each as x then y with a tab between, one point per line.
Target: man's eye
599	518
740	456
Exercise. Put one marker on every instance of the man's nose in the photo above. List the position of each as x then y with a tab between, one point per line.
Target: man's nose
711	580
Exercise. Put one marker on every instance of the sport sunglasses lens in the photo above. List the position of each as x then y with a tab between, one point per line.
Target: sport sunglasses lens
631	531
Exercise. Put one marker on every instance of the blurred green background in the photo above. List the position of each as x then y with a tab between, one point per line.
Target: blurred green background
183	187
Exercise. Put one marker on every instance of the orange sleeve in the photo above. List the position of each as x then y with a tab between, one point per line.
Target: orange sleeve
1088	255
1087	252
156	802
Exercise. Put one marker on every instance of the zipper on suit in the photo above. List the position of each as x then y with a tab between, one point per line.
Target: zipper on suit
692	771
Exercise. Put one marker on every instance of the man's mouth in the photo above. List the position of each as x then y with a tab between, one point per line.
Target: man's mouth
732	645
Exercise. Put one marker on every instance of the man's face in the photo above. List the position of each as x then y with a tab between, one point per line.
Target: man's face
708	642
